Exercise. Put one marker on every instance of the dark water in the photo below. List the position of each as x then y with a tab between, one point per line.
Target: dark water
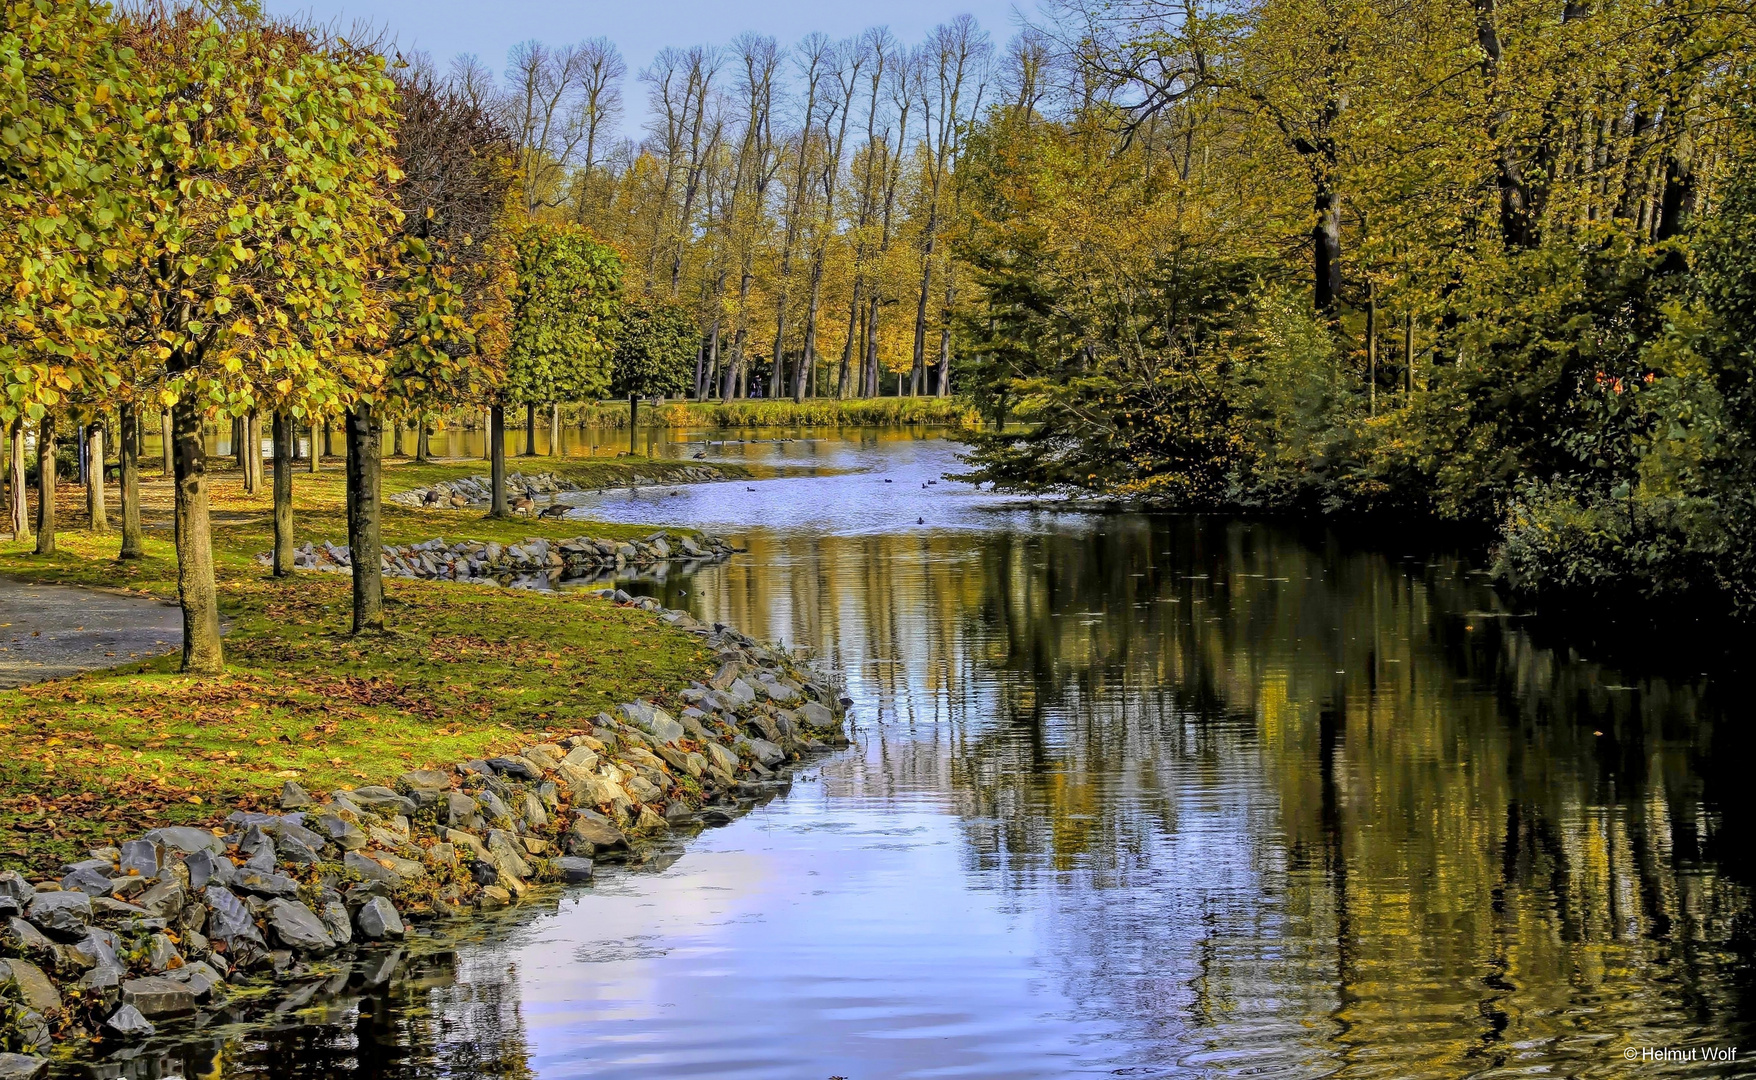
1131	796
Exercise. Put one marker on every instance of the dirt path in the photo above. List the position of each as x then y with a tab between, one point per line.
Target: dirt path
48	631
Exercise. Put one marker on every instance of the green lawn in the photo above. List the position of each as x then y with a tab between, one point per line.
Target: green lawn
463	671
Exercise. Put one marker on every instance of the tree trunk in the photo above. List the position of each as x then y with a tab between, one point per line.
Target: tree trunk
918	371
497	461
530	429
487	434
18	501
315	460
1326	242
128	479
364	550
423	441
165	441
555	430
96	506
396	438
284	434
328	439
238	449
873	387
46	485
250	454
1371	350
195	584
1408	353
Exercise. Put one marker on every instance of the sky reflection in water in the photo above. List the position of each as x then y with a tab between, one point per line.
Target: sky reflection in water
1131	796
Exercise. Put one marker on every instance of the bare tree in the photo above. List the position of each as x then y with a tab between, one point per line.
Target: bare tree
753	171
953	57
545	104
846	61
879	48
814	57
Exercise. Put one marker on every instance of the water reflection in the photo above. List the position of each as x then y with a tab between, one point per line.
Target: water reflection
1146	797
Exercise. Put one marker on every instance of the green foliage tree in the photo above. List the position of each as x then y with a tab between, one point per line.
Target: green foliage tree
657	343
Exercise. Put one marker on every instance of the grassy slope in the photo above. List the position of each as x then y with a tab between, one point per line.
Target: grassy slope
761	412
464	671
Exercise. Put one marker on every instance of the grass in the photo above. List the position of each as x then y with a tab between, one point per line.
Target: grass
463	671
815	412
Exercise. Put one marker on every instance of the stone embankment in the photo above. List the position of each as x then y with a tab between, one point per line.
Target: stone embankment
491	563
477	490
163	926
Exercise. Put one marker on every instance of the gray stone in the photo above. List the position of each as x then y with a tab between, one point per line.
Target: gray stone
503	852
263	862
293	851
515	766
164	900
61	914
367	869
228	920
128	887
424	780
33	986
403	870
767	753
140	857
346	834
495	809
206	868
574	869
287	829
199	977
295	926
22	937
160	952
14	886
156	995
461	811
531	809
335	920
595	839
266	884
378	919
87	881
294	797
127	1023
105	907
186	840
23	1067
253	841
383	800
816	715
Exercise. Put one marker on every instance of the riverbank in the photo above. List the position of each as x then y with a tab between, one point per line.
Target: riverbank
784	413
577	725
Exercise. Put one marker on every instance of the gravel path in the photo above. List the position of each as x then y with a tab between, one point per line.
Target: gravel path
48	631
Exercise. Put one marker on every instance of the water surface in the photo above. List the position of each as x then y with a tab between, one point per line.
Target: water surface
1130	796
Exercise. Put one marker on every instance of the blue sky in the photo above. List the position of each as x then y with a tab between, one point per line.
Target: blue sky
639	28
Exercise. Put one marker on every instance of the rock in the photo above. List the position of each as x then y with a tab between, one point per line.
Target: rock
156	996
293	851
294	797
65	915
573	869
582	756
595	839
650	822
515	766
127	888
402	870
14	887
261	884
188	841
127	1023
335	920
346	834
378	919
493	896
816	715
228	921
503	852
295	926
105	907
531	809
383	800
368	869
140	857
207	868
495	809
543	757
87	881
33	987
461	811
767	753
24	938
161	953
199	977
423	780
23	1067
722	756
714	815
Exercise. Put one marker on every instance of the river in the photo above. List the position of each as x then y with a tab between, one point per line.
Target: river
1130	796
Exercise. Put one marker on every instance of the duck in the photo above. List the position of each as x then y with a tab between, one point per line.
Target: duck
458	501
920	521
700	455
887	480
553	510
432	497
523	504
